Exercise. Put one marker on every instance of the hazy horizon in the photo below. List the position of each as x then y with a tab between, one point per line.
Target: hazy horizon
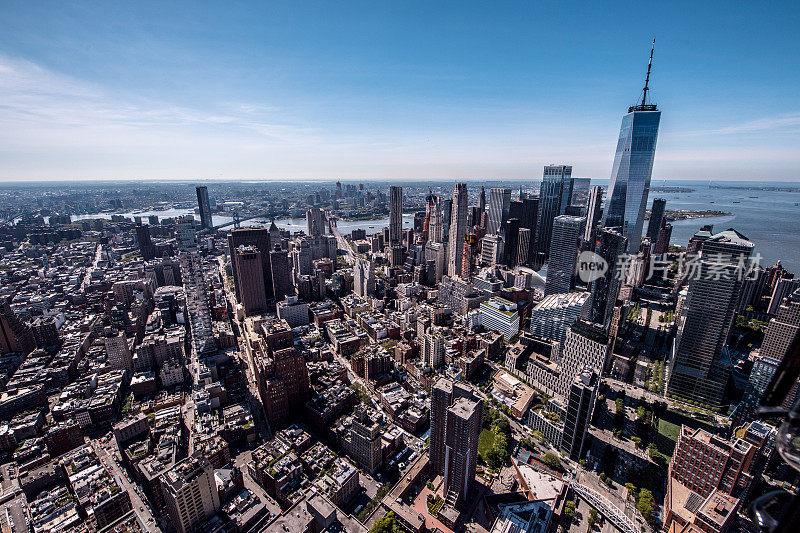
654	182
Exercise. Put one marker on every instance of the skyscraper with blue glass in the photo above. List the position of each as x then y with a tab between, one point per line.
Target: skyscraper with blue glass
633	166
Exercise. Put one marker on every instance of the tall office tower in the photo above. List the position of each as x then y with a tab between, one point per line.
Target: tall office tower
526	210
555	181
190	493
564	246
499	204
580	405
364	278
250	273
523	245
363	441
697	371
315	221
661	245
258	238
609	245
443	393
419	226
579	197
279	270
551	317
186	233
437	253
286	387
456	418
778	337
633	166
467	257
782	328
510	231
447	215
654	225
431	204
395	214
491	250
594	213
432	350
584	346
15	335
462	432
118	351
761	375
302	262
482	200
205	207
436	223
146	247
458	229
783	288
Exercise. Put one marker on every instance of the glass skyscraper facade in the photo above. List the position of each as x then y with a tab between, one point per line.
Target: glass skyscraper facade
554	196
630	176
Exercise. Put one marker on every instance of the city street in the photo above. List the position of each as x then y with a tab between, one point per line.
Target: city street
138	501
250	484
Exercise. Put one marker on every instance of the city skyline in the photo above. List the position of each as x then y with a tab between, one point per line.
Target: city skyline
272	93
311	278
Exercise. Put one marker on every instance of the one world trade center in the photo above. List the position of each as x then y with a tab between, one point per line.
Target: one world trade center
633	166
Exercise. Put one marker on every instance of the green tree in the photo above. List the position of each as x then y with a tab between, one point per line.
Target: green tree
645	504
569	509
489	417
526	443
620	405
387	524
497	455
551	460
592	517
501	425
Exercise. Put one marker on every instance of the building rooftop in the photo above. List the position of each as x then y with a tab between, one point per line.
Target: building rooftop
718	507
538	485
555	301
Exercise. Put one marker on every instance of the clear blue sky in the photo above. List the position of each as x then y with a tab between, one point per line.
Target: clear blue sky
389	89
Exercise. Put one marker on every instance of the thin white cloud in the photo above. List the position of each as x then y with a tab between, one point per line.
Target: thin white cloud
765	124
36	100
789	122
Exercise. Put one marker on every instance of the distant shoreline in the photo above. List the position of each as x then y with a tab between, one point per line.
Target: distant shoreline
756	188
687	214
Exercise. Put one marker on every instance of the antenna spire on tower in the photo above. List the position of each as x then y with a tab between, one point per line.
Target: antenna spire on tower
647	79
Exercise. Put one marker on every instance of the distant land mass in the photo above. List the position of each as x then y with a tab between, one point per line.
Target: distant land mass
756	188
686	214
667	188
